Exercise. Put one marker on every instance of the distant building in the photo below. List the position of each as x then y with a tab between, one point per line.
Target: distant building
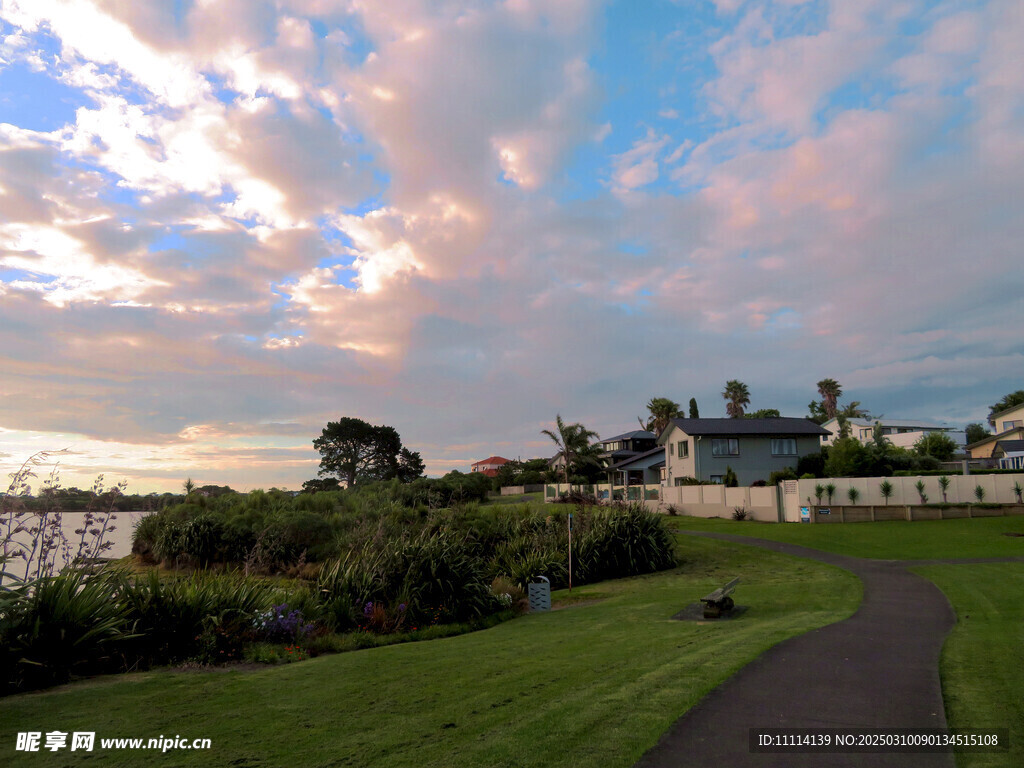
902	433
489	466
627	445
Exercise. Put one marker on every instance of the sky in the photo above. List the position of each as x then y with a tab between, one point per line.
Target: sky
224	223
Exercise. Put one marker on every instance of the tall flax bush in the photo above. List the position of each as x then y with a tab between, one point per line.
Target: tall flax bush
622	542
432	572
59	626
170	616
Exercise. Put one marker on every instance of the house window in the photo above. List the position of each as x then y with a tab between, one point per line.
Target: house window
716	479
783	446
725	446
1012	424
683	449
865	433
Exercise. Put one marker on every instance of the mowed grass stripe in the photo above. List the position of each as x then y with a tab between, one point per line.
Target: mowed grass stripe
590	685
892	540
982	677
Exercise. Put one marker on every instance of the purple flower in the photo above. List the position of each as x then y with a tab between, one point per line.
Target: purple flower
401	607
367	609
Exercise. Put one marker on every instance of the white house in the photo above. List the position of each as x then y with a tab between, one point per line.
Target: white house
902	433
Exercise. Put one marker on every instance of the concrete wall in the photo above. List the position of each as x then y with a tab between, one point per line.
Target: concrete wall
998	490
719	501
519	490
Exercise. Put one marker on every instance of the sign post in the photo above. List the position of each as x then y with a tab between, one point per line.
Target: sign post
570	551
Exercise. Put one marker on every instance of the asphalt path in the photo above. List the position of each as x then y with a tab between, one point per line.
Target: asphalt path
878	669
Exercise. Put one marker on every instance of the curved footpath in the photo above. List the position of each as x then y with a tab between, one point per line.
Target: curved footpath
877	669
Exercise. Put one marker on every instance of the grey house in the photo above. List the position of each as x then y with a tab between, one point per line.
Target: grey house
754	448
641	469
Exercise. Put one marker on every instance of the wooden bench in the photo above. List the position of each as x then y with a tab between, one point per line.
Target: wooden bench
719	600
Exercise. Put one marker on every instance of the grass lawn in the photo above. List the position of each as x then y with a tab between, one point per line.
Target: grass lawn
595	683
895	540
982	677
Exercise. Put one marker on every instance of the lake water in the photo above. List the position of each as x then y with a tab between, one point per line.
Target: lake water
120	537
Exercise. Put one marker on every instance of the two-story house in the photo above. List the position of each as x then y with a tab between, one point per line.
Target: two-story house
626	446
1009	426
489	466
754	448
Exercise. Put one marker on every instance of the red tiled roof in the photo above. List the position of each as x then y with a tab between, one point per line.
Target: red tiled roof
491	460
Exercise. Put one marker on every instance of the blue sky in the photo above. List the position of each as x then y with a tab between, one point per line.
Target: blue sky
224	224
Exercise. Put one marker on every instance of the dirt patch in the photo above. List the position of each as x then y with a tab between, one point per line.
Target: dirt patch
695	612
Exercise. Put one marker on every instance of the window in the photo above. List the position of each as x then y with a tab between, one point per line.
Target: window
725	446
1012	424
783	446
716	479
683	449
864	433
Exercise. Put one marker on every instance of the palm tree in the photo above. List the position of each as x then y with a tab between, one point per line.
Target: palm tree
830	392
573	441
738	395
662	412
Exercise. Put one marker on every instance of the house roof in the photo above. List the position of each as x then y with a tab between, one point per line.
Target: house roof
996	414
640	457
1010	446
636	434
1002	435
491	460
781	425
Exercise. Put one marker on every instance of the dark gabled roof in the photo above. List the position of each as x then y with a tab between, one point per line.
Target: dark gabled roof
636	434
638	457
782	425
1010	446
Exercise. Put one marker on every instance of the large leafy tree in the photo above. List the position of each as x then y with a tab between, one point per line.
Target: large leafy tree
662	412
1011	400
738	395
763	413
573	441
830	392
976	432
355	452
937	445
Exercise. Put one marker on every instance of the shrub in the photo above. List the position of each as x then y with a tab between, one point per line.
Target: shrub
979	493
886	489
171	615
739	513
781	474
919	485
853	494
58	627
623	542
202	538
